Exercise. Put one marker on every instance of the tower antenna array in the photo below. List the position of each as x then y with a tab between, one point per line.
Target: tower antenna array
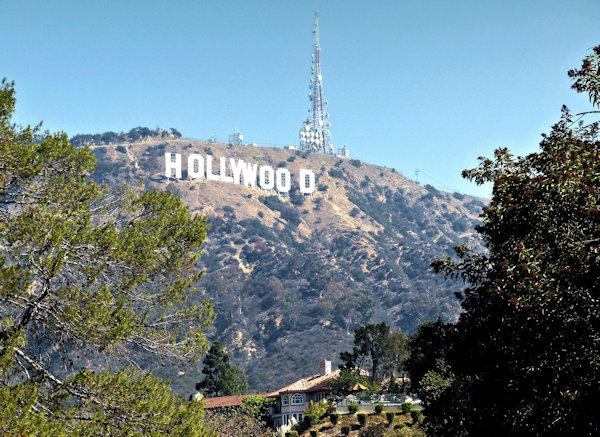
314	134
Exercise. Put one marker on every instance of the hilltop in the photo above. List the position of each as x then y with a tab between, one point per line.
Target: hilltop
291	276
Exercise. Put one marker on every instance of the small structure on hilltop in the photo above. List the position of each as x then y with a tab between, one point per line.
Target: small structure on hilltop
235	138
343	152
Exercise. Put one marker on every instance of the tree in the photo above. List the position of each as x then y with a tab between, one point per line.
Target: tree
222	378
426	347
377	349
396	353
90	276
524	358
348	378
259	407
235	422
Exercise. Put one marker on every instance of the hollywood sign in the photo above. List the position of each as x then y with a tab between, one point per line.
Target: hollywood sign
238	172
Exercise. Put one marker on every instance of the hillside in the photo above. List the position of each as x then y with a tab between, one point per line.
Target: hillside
292	276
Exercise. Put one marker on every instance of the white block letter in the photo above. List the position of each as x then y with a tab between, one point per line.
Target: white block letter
266	177
307	181
209	174
223	171
236	170
283	180
195	166
249	172
170	165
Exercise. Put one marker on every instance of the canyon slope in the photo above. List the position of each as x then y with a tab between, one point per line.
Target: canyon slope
292	275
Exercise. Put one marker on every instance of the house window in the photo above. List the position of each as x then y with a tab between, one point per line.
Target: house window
320	396
284	419
297	399
298	417
284	400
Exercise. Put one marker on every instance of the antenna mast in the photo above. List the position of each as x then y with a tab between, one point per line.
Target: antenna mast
314	134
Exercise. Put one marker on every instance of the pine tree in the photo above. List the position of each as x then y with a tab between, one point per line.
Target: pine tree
90	276
222	377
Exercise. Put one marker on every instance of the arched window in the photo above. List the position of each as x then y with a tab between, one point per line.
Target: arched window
284	400
297	399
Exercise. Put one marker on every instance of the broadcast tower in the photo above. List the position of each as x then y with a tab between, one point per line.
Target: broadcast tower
314	134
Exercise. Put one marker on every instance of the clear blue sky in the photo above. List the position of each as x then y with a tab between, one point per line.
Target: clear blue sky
411	84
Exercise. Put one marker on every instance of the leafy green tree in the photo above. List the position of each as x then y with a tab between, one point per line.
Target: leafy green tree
348	378
429	344
258	406
587	79
377	349
318	409
90	276
235	422
524	356
222	378
395	352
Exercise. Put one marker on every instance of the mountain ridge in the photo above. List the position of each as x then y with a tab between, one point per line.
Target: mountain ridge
291	273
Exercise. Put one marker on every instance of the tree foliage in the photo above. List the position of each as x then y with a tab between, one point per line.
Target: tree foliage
524	357
428	345
378	350
90	276
348	378
222	377
235	422
136	134
587	78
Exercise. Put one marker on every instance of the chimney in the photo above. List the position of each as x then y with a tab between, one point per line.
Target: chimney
325	366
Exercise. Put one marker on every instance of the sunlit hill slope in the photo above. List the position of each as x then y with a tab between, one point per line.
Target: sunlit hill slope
291	276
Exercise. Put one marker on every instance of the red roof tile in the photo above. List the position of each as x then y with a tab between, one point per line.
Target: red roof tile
228	401
312	383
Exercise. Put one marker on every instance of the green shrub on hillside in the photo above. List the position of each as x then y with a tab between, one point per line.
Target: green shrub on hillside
335	173
291	215
379	408
378	430
362	419
310	420
319	409
314	432
272	202
334	418
416	415
406	407
390	416
352	408
346	430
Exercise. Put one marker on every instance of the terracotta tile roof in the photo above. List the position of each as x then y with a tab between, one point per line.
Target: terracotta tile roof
313	383
228	401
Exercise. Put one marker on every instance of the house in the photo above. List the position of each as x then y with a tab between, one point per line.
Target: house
292	400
